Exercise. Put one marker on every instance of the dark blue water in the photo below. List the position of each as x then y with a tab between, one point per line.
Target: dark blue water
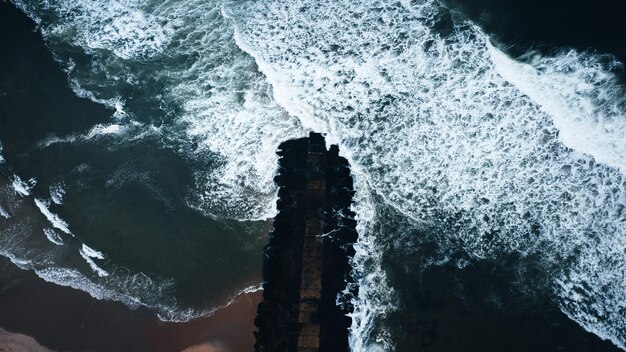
485	138
127	199
521	26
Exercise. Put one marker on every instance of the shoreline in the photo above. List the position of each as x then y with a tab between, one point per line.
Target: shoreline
65	319
10	341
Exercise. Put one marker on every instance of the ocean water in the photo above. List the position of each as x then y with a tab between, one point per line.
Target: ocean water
488	156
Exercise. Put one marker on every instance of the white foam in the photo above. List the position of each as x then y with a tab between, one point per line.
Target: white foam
56	193
51	140
127	132
20	263
443	128
122	27
583	99
23	187
20	242
100	130
53	236
449	143
190	314
133	290
4	213
89	255
375	297
2	160
54	219
227	107
116	103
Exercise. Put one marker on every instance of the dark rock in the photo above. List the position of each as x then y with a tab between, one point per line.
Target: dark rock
306	263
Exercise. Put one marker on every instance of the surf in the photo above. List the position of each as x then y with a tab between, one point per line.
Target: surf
498	155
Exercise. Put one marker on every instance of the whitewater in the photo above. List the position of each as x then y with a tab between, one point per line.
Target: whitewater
492	154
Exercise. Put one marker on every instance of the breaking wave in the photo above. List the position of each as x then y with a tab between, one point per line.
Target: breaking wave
498	155
2	161
23	187
54	219
448	134
53	236
223	104
29	242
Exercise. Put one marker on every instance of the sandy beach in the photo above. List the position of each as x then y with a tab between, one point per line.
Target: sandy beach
65	319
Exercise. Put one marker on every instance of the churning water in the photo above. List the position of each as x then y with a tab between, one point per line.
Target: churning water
482	153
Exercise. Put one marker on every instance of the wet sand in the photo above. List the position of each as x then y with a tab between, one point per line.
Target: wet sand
65	319
19	343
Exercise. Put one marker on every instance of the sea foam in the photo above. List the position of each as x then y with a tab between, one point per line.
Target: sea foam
23	187
54	219
56	193
53	236
4	213
89	255
459	138
498	155
2	160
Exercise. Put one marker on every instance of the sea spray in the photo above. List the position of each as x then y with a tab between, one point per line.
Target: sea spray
437	123
419	104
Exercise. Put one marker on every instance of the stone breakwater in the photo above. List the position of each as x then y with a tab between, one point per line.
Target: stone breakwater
307	283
